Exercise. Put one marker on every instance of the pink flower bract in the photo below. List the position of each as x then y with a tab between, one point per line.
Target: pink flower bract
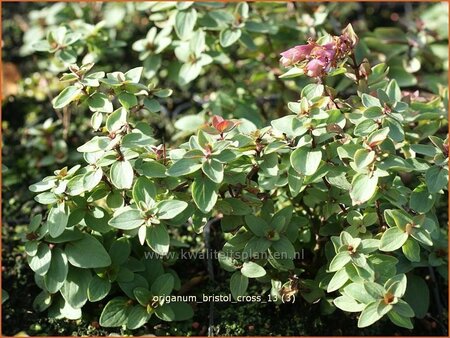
295	54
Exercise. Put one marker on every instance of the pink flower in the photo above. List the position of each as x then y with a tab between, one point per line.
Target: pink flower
316	67
320	59
295	54
328	51
345	44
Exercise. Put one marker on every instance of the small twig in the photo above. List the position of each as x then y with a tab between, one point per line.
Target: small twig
226	72
328	185
380	216
66	122
181	186
440	308
355	67
210	268
327	90
252	172
108	183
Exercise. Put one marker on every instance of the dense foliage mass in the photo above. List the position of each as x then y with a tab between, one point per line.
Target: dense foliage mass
335	196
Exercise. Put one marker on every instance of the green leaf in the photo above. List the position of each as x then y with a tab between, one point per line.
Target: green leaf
312	91
119	251
152	105
143	296
61	308
436	178
295	181
182	311
92	179
99	102
369	315
165	313
40	263
363	158
127	220
170	209
153	169
374	289
116	119
257	245
400	320
252	270
46	198
158	239
31	247
348	304
97	143
365	127
306	161
358	291
284	247
312	292
41	303
393	239
42	186
115	313
184	166
363	188
396	132
421	199
393	91
411	250
237	207
98	289
163	285
137	316
214	170
417	295
403	309
339	279
257	225
204	194
134	74
68	95
122	174
189	123
421	235
370	101
57	273
397	218
74	289
229	36
189	71
339	261
238	284
185	22
57	220
291	73
129	286
127	100
87	252
114	200
144	193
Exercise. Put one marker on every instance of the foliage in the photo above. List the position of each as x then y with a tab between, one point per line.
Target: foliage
354	171
231	170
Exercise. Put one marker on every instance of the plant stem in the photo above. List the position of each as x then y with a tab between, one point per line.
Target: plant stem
210	268
380	216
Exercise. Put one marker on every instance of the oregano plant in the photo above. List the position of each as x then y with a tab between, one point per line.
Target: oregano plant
352	176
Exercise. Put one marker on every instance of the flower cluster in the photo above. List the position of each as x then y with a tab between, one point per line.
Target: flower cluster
317	59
